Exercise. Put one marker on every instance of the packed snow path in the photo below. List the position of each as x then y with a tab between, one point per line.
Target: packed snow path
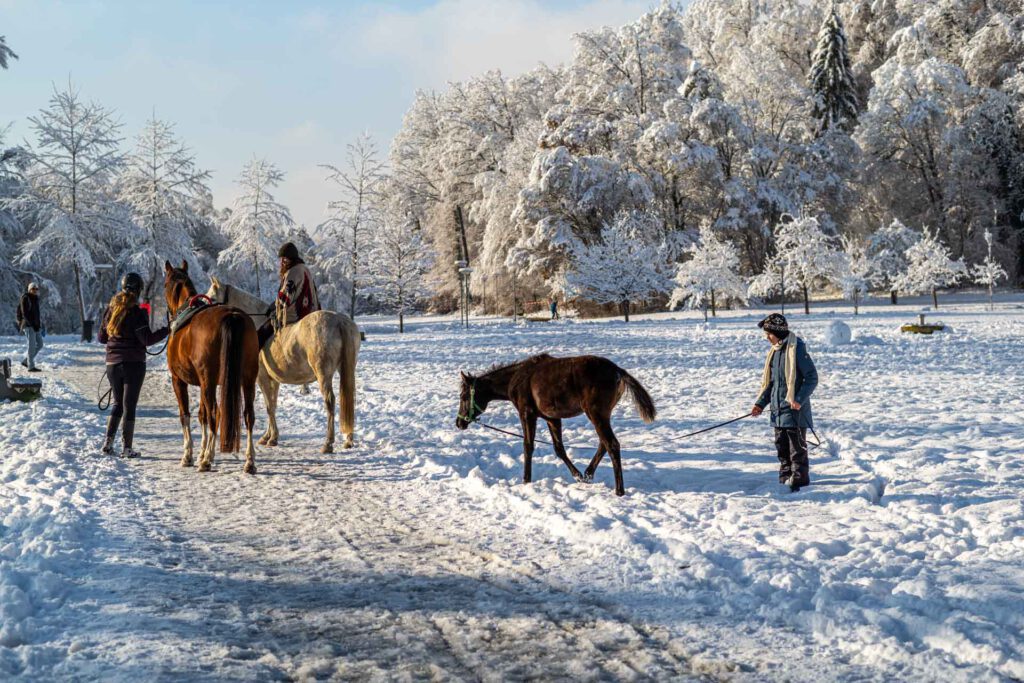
419	555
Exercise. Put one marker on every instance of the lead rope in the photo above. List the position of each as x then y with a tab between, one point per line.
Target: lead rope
477	420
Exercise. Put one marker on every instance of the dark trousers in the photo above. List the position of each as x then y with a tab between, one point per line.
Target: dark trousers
791	443
126	385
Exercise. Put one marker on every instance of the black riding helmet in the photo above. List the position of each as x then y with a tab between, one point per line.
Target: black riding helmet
132	282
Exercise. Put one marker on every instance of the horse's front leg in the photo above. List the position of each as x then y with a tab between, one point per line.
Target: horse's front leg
555	427
181	393
269	387
529	423
588	475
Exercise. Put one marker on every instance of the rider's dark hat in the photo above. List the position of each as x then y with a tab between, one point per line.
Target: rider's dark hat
776	322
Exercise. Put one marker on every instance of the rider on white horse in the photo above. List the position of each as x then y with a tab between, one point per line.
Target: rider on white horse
297	297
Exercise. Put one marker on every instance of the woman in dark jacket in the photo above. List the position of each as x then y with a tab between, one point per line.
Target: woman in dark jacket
125	331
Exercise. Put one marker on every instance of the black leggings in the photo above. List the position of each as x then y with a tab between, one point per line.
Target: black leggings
125	384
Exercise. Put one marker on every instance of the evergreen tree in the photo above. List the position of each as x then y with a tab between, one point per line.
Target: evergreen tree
5	53
831	78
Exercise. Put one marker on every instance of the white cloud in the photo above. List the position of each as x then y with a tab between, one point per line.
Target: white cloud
455	39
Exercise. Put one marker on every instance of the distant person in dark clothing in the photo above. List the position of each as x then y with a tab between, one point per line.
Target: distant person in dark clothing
30	323
554	309
125	331
788	380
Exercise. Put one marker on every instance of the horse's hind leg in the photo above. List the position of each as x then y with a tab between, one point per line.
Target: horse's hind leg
603	426
555	427
326	380
249	414
588	474
269	388
208	398
181	393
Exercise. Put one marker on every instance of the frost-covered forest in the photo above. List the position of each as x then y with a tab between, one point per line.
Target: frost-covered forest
699	156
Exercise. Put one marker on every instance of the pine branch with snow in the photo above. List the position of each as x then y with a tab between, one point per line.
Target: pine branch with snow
624	266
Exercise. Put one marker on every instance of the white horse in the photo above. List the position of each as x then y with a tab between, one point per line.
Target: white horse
318	346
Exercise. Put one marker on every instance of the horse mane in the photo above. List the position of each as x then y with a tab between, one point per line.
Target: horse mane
517	364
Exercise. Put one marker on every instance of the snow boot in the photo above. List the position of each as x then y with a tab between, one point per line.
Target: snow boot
108	446
127	436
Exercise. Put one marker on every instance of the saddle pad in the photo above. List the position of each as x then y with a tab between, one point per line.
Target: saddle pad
184	316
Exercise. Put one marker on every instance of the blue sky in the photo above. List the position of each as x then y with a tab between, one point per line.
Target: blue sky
291	81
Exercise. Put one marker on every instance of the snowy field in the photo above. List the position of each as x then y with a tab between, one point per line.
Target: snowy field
419	555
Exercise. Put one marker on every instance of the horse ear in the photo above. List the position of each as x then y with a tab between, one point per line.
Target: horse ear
184	265
168	267
215	281
465	377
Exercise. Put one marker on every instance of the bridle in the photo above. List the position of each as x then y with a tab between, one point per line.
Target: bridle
475	411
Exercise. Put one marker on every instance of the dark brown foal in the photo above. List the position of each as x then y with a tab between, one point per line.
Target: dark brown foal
555	389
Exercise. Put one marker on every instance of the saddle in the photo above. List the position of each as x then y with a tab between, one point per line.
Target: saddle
197	303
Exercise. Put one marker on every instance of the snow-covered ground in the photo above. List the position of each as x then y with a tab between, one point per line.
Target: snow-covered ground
420	555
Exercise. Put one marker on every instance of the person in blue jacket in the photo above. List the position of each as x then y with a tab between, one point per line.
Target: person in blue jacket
788	380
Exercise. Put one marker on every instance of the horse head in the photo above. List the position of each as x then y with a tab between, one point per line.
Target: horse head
218	291
474	395
178	287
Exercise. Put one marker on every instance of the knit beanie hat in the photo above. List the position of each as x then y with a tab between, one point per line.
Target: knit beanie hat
776	324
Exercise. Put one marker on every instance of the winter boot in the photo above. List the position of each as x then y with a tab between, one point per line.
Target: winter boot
127	435
108	443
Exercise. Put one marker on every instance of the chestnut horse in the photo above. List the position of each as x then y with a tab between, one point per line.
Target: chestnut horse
216	347
555	389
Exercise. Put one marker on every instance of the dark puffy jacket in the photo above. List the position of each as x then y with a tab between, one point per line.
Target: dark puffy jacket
129	344
28	312
783	415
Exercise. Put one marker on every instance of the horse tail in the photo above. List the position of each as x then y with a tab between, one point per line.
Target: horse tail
349	351
229	404
641	399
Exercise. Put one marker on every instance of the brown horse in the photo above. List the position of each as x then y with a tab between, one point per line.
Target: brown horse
556	389
216	347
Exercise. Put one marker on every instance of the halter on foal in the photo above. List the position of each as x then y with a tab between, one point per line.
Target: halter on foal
216	347
555	389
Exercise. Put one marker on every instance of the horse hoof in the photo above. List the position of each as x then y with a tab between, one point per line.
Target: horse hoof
186	462
250	468
327	448
263	441
349	443
271	442
205	467
620	492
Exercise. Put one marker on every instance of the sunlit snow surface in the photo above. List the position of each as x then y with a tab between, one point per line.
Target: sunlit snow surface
419	554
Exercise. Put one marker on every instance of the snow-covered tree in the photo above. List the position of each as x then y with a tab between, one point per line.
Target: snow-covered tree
167	194
989	271
930	266
887	249
257	226
66	192
855	270
625	265
805	258
709	275
831	78
354	214
398	265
